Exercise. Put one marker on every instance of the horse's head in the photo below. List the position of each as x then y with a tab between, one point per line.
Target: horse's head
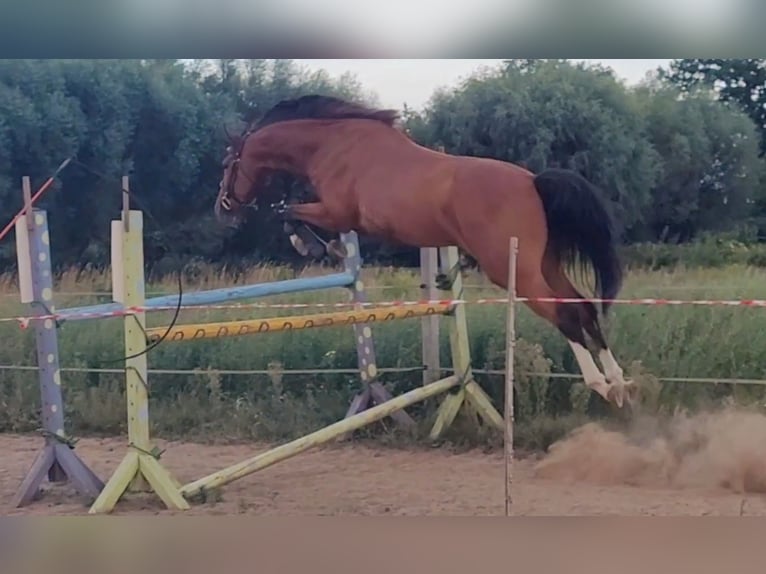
250	160
237	186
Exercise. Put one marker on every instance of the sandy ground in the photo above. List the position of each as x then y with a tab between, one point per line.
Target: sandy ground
713	466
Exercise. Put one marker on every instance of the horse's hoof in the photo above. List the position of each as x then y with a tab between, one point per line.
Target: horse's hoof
316	250
623	394
299	245
336	249
442	282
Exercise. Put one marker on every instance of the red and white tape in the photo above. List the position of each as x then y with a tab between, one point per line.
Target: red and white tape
24	321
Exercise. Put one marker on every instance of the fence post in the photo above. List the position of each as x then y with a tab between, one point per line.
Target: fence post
373	392
457	324
140	469
510	346
57	458
429	328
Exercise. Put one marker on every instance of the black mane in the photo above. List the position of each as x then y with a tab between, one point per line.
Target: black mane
317	107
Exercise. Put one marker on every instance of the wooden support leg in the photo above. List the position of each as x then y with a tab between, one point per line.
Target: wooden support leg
372	391
139	470
56	460
470	391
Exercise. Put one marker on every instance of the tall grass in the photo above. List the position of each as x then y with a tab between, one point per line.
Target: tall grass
699	342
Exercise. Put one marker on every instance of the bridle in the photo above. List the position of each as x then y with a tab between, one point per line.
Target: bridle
228	195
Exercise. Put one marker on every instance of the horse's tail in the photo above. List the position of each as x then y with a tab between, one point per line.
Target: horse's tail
580	225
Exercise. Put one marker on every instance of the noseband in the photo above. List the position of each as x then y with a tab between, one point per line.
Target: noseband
228	194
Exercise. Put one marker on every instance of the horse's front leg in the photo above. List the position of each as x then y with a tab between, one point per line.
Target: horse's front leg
313	214
303	239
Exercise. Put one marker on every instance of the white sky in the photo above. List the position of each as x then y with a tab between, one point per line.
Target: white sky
397	82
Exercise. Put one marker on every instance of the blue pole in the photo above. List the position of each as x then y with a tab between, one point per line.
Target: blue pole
223	295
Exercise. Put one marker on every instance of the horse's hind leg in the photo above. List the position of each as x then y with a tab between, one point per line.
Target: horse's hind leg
536	283
619	388
567	319
588	320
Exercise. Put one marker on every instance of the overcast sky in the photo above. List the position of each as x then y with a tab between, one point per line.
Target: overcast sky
397	82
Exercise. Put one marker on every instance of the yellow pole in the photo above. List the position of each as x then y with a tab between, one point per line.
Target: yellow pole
197	331
290	449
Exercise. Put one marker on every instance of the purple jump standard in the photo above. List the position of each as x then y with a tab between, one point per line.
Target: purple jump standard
57	459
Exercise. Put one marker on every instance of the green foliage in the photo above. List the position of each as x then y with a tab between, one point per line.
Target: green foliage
651	342
710	173
673	166
709	251
680	164
161	123
542	114
676	162
740	81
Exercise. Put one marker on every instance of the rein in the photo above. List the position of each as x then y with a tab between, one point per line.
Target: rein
228	196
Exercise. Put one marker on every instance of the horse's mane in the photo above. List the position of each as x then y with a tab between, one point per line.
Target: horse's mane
317	107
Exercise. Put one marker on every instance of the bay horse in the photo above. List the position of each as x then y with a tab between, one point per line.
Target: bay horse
371	177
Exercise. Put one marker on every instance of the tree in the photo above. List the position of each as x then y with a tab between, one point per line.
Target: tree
541	113
161	123
709	174
741	81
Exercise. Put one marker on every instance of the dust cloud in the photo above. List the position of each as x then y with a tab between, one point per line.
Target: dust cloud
723	449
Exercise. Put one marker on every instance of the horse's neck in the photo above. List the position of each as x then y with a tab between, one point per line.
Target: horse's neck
312	151
284	148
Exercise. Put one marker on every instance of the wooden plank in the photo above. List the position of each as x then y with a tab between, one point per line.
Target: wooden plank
38	291
367	361
136	375
288	450
34	477
481	402
461	359
359	403
459	348
139	470
83	478
448	410
429	267
117	484
510	345
162	482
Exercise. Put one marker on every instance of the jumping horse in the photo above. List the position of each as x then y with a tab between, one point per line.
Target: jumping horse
371	177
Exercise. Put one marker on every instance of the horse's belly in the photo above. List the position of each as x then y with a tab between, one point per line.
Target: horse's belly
413	227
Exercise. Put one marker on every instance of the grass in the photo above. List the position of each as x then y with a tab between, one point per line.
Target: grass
651	342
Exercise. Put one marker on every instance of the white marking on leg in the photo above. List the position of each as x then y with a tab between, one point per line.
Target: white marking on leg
298	244
612	369
593	377
621	388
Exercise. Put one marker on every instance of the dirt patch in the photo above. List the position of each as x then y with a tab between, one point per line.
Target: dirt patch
725	449
697	466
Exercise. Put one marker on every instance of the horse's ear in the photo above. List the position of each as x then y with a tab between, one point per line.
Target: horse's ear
228	135
234	140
